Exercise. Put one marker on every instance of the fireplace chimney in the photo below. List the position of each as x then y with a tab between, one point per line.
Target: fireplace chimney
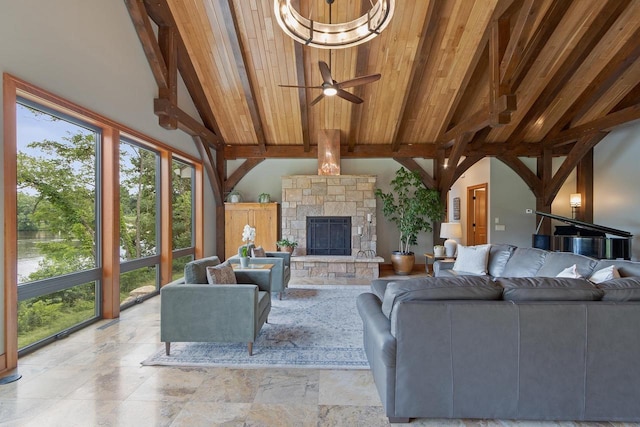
329	152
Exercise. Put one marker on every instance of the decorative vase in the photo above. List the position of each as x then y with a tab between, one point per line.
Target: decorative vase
244	261
402	262
438	251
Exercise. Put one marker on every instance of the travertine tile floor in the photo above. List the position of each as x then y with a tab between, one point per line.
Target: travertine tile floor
94	378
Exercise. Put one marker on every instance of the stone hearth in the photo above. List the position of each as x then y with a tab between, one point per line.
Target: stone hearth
333	195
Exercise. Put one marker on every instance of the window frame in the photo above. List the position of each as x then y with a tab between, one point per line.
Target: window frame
108	172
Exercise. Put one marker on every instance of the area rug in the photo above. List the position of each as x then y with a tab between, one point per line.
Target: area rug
313	326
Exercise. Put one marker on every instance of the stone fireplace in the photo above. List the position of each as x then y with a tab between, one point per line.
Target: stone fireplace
317	196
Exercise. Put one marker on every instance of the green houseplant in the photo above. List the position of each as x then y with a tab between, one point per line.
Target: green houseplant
286	245
412	208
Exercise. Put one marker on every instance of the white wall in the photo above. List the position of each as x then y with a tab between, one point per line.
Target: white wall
479	173
87	51
509	198
616	182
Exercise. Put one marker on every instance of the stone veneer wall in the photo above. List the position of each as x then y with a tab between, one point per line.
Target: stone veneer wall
331	195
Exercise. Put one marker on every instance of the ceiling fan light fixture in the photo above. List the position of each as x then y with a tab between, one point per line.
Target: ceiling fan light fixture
329	91
333	36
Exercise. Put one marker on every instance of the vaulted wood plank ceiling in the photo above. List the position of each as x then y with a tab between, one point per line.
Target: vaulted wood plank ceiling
459	77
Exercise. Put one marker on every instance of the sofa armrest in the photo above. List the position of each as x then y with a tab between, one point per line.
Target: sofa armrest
192	312
442	265
286	256
261	278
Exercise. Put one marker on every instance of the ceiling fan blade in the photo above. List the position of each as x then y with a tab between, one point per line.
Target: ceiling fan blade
349	96
302	87
315	101
326	72
359	81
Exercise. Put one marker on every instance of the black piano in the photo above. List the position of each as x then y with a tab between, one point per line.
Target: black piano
584	238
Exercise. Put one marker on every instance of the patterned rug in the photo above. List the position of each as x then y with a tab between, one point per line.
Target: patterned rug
311	327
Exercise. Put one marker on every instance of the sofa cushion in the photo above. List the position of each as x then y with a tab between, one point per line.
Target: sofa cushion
498	257
621	289
472	259
440	288
625	268
258	252
195	272
555	262
379	286
607	273
548	289
571	272
525	262
221	275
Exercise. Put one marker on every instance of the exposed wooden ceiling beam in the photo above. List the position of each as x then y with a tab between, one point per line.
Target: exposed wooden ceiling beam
167	39
446	179
186	123
605	123
159	12
471	124
578	151
548	24
570	65
425	45
527	175
501	103
240	173
302	96
413	166
464	166
208	163
142	25
233	31
518	40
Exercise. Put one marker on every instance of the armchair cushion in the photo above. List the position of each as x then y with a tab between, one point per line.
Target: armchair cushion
258	252
195	272
221	274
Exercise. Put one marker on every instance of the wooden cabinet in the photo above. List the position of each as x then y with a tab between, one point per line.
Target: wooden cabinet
265	217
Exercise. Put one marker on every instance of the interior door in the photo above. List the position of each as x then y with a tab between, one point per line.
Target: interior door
477	214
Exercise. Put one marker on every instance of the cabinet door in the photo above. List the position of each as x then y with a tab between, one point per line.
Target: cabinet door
235	218
265	220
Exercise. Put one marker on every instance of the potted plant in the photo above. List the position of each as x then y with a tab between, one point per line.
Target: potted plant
412	208
264	198
286	245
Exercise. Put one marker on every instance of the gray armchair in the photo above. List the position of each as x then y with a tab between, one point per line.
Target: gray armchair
198	312
280	273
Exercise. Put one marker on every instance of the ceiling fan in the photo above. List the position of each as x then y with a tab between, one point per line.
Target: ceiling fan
331	87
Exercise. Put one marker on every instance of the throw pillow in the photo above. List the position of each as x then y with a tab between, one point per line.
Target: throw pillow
621	289
570	272
221	275
605	274
548	289
472	259
258	252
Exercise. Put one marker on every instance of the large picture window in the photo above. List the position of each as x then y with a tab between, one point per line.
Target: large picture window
57	226
94	220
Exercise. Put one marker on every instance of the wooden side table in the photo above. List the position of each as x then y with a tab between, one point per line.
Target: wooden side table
431	258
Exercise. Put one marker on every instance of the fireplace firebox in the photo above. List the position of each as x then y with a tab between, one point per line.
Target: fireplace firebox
328	235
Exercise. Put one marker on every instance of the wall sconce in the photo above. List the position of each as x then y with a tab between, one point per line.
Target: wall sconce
450	231
575	201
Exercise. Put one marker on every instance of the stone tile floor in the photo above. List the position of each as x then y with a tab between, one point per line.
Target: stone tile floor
94	378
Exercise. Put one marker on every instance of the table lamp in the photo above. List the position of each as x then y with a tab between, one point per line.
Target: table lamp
450	231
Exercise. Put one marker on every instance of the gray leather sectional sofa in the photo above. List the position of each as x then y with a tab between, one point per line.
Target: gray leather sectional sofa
518	343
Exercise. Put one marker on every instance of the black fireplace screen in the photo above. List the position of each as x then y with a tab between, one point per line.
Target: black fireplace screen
328	235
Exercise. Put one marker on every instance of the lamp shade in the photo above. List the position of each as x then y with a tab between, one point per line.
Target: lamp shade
575	200
450	230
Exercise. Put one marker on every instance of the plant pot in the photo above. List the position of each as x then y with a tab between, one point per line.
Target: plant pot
244	261
287	249
264	198
402	262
